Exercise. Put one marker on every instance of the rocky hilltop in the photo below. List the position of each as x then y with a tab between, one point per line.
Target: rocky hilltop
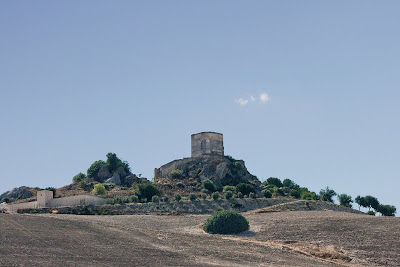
222	170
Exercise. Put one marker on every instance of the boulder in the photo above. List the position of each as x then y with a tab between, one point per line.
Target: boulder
114	179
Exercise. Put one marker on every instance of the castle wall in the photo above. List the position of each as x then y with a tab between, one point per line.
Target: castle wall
75	201
207	143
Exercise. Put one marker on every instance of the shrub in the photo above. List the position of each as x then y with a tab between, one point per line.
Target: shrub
252	195
229	188
228	194
84	185
94	169
274	181
180	185
239	195
177	197
205	191
133	198
215	196
371	212
209	185
146	191
203	196
267	193
176	174
79	177
226	222
239	165
192	197
327	194
166	199
244	188
294	193
345	200
155	199
99	189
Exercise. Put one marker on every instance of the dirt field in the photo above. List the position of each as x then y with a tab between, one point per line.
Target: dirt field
297	238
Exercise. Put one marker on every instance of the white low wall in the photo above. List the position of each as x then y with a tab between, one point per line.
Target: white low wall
58	202
75	201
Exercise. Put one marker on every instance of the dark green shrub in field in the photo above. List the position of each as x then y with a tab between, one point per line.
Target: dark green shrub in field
215	196
386	210
244	188
209	185
192	197
228	194
226	222
294	193
288	183
133	198
79	177
146	191
205	191
239	195
371	212
177	197
165	199
155	199
267	193
203	196
229	188
274	181
252	195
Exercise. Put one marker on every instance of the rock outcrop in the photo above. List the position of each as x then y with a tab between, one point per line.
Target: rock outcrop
222	170
16	193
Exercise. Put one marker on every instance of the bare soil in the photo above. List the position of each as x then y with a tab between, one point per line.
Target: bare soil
286	238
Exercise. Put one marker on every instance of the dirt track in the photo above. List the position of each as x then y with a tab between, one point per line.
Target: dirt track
300	238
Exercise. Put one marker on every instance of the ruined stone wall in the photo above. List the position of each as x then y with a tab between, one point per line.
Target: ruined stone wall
207	143
75	201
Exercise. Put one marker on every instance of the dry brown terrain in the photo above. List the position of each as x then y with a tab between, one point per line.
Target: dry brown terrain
292	238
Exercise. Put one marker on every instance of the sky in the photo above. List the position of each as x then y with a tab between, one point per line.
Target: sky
306	90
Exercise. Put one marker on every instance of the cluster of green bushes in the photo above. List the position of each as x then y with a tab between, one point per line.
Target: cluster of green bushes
226	222
371	202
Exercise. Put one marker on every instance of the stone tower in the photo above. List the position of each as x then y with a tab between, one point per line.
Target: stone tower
207	143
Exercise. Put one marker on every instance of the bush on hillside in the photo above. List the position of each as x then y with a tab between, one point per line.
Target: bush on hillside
155	199
327	194
208	185
267	193
215	196
113	163
99	189
177	197
176	174
146	191
228	195
288	183
226	222
229	188
345	200
94	169
274	181
192	197
239	195
79	177
386	210
244	188
252	195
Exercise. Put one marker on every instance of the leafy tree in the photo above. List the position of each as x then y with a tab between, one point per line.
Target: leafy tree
288	183
146	191
361	201
113	163
239	195
99	189
252	195
372	202
274	181
294	193
228	194
208	185
386	210
94	169
79	177
155	199
327	194
345	200
244	188
215	196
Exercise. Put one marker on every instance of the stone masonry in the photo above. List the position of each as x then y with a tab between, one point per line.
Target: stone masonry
207	143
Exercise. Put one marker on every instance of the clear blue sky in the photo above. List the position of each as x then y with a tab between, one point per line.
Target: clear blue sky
80	79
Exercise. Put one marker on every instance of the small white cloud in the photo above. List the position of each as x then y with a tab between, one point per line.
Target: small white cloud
264	97
242	102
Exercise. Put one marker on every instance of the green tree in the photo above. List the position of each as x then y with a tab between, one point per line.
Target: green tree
228	194
208	185
372	202
345	200
192	197
244	188
94	169
386	210
113	163
229	188
226	222
288	183
327	194
361	201
266	193
99	189
146	191
274	181
177	197
79	177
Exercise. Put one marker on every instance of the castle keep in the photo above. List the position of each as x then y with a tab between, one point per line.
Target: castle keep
207	143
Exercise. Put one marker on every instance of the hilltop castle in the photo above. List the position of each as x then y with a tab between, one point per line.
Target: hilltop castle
207	143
